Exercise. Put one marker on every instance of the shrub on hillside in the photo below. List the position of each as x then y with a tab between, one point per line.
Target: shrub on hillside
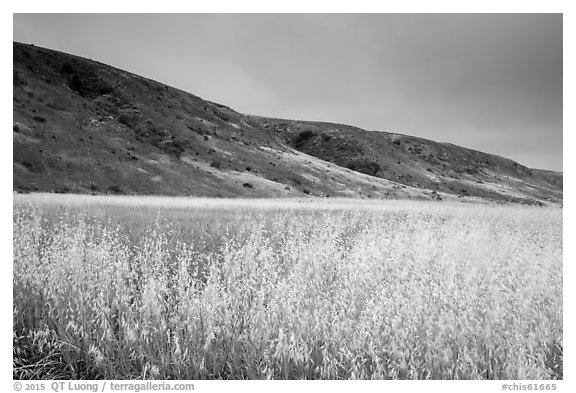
83	80
68	69
114	189
215	164
303	137
176	147
129	119
18	80
364	166
223	116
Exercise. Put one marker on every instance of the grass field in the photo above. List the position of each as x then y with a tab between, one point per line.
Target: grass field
165	288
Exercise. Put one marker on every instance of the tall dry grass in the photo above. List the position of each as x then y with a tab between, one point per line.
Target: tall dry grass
107	288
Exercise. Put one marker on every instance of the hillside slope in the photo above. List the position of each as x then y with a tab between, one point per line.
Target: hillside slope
84	127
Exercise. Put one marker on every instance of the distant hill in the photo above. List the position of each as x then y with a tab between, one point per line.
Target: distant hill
80	126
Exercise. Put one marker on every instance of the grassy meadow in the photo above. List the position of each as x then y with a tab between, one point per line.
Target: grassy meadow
169	288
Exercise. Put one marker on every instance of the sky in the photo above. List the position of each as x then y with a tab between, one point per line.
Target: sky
490	82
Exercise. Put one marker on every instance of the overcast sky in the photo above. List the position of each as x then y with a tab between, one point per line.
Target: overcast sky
491	82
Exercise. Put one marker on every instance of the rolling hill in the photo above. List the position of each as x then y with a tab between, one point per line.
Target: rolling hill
80	126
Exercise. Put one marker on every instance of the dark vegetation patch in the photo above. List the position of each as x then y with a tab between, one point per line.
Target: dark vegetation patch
215	164
223	116
364	166
18	80
303	137
130	119
175	147
28	157
159	137
82	78
114	189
